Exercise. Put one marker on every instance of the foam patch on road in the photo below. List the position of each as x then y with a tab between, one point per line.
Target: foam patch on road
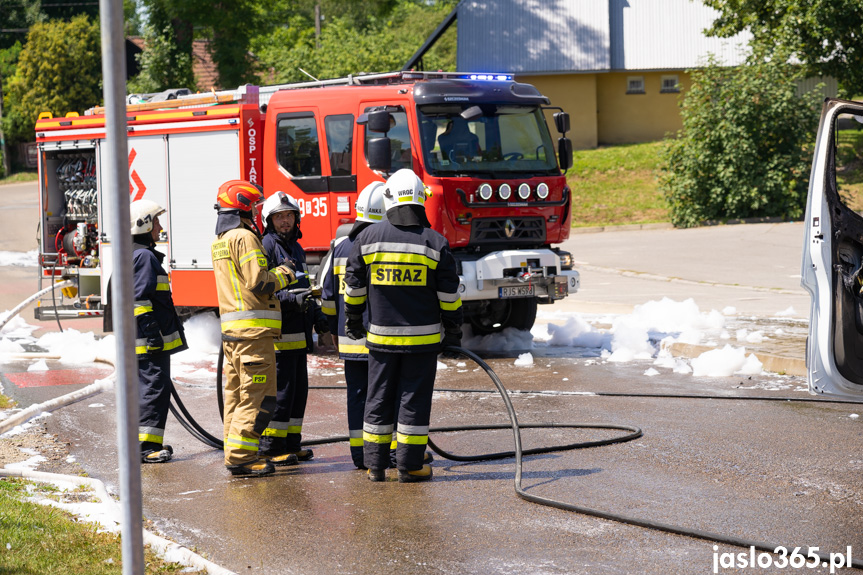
20	259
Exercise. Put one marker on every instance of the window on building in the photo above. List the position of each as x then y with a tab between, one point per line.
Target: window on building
635	85
670	84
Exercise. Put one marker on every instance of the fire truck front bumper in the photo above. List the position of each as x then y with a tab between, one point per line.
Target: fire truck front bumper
516	274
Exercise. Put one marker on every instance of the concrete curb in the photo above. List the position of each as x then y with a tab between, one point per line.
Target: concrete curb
670	226
622	228
772	363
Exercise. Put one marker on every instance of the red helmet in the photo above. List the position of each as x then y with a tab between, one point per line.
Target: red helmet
238	196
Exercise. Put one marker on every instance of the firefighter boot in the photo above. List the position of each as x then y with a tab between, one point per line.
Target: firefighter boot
283	459
377	475
160	455
422	474
255	468
427	458
304	454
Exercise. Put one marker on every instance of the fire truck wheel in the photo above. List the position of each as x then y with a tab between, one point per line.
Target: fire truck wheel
501	314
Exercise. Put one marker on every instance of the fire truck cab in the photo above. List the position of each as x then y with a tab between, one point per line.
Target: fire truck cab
479	142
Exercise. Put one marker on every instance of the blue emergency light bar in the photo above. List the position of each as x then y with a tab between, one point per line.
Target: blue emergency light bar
497	77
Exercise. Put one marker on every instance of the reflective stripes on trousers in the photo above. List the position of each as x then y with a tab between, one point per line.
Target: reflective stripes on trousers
245	443
151	434
251	318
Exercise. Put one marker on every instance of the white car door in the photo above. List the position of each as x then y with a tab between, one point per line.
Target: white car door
832	269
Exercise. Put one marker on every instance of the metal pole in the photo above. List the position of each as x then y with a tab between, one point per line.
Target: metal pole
116	181
318	25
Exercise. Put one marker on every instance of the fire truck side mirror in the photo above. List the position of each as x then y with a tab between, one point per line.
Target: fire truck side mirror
380	154
561	122
564	153
379	121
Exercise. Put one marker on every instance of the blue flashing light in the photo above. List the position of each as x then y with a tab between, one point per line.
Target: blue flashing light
494	77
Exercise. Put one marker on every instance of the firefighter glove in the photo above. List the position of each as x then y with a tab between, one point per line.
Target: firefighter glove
354	328
288	272
150	329
322	324
155	342
300	298
451	338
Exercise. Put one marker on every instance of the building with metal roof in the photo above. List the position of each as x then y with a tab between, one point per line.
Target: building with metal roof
617	66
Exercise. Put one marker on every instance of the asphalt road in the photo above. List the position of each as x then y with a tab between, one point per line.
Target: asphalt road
774	471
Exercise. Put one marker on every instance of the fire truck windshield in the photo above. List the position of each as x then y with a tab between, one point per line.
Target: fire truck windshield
497	141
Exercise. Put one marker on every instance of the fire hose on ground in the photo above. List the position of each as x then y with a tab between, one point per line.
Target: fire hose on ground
519	452
188	422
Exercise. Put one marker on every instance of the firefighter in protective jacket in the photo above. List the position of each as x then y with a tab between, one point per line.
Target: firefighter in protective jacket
406	274
251	319
300	315
370	210
159	331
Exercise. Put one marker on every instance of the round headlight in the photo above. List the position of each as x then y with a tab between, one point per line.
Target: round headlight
485	191
524	191
504	191
542	191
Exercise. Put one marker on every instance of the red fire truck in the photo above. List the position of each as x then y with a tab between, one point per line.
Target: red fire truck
479	142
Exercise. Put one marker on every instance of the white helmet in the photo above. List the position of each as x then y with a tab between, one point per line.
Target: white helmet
370	204
143	213
404	188
280	202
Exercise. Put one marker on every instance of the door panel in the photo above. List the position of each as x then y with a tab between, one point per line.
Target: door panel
832	269
200	163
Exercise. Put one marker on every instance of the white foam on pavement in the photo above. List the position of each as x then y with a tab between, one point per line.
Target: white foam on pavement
21	259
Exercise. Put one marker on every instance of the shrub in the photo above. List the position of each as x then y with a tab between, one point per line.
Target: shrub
744	150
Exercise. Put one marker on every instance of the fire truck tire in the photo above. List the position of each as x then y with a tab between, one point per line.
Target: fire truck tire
501	314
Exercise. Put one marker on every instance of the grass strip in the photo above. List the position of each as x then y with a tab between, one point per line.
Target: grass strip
38	539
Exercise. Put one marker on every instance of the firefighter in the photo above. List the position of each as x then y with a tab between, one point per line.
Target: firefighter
300	315
405	273
251	319
370	209
160	333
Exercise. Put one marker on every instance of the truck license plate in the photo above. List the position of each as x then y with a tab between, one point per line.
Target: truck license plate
516	291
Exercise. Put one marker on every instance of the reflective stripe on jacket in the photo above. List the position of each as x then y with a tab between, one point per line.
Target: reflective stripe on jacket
333	301
247	306
297	323
153	309
406	276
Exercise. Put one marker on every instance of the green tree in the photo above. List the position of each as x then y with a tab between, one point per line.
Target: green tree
824	35
18	15
385	45
162	64
744	148
59	71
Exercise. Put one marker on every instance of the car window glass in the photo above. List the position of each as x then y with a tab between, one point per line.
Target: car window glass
400	140
340	135
297	145
848	170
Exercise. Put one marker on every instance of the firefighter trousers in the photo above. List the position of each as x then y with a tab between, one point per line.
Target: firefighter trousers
357	382
284	432
406	380
250	396
154	376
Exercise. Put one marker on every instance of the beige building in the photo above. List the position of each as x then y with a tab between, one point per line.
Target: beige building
617	66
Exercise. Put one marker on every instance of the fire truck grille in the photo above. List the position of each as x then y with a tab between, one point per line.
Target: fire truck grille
510	231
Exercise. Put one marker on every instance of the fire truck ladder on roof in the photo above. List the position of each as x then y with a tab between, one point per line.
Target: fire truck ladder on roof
248	94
